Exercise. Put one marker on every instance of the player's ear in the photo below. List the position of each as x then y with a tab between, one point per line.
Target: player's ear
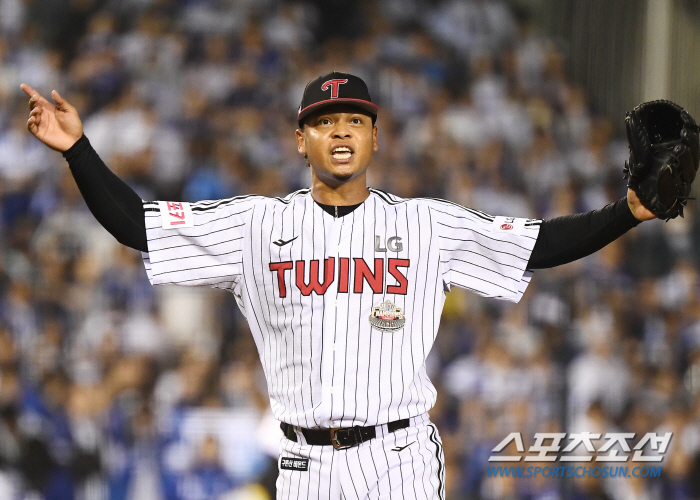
375	143
301	142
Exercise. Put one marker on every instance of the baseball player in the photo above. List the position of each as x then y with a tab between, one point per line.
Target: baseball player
342	286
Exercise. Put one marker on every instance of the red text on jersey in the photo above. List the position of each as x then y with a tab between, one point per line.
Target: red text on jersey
176	210
361	273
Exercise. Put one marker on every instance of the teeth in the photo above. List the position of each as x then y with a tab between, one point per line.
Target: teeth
342	153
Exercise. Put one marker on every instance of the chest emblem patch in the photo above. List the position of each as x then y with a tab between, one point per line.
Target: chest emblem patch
386	317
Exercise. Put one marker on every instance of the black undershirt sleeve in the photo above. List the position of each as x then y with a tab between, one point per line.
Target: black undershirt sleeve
113	203
571	237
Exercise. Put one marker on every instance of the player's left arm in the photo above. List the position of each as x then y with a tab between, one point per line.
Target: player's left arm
571	237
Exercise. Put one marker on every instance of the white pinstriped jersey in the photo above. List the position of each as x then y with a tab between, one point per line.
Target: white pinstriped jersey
307	283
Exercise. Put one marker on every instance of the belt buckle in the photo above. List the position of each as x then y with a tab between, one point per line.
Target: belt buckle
334	439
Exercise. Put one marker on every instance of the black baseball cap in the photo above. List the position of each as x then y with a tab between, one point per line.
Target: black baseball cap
336	88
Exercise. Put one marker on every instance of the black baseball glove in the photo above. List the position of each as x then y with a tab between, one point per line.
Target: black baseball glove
664	156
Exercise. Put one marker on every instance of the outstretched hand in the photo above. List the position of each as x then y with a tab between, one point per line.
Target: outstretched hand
58	126
638	210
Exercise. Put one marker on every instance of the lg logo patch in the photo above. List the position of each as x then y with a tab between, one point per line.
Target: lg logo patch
393	244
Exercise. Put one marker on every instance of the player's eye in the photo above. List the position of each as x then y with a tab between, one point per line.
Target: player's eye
356	121
325	121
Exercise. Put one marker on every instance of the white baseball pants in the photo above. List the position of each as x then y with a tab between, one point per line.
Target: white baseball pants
405	464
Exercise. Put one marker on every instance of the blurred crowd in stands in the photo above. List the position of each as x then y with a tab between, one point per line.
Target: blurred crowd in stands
113	389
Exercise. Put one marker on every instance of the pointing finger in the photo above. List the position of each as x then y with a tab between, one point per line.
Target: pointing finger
35	97
28	90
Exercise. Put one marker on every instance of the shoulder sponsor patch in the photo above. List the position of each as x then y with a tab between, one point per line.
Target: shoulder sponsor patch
174	214
290	463
512	225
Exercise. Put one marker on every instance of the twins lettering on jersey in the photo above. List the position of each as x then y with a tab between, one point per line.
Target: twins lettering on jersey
352	275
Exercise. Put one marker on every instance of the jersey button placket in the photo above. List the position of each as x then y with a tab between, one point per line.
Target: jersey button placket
331	355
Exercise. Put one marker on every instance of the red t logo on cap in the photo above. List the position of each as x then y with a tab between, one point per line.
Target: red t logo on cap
333	84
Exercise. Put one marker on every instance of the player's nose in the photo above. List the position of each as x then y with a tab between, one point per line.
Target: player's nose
341	130
344	134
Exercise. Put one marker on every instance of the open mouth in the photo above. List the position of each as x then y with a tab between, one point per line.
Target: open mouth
341	153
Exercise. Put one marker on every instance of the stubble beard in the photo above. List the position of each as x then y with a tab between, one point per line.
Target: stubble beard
342	177
333	179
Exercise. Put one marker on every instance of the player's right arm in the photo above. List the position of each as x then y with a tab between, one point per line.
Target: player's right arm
113	203
188	244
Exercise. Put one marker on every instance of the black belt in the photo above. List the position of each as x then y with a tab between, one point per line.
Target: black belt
340	437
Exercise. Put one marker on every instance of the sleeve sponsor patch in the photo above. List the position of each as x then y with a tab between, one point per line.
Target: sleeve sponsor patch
512	225
288	463
176	214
